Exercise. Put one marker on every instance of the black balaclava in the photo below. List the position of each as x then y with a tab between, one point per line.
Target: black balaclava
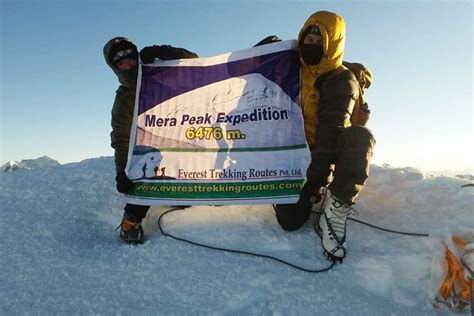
311	53
129	76
120	51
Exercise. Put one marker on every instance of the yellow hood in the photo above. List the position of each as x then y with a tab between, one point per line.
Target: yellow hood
333	32
332	28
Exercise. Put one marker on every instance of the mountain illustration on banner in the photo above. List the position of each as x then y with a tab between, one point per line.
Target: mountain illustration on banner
246	99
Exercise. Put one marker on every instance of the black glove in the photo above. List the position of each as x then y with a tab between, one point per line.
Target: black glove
149	53
268	40
164	52
123	182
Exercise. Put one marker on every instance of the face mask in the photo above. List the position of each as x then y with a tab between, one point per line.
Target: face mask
311	53
132	72
129	77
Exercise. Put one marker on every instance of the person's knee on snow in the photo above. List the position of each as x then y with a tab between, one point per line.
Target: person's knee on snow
290	216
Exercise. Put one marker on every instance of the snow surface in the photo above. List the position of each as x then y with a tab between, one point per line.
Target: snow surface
61	255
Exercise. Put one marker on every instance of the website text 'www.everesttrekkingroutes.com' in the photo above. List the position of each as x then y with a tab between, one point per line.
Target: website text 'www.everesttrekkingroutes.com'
217	190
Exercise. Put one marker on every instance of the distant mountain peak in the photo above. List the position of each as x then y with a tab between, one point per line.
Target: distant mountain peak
40	162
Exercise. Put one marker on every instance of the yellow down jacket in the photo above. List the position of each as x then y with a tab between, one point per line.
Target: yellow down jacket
332	28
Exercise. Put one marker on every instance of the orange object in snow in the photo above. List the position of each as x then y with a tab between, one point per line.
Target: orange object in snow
460	242
455	287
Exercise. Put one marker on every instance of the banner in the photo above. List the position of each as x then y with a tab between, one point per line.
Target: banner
221	130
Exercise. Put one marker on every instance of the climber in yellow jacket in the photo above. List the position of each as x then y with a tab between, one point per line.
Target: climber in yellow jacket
340	150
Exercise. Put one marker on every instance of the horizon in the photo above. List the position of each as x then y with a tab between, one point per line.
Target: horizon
447	172
59	90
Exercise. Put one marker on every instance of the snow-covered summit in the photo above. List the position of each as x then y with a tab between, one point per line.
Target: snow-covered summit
41	162
60	253
12	166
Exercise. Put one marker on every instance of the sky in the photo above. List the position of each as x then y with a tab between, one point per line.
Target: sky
57	92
